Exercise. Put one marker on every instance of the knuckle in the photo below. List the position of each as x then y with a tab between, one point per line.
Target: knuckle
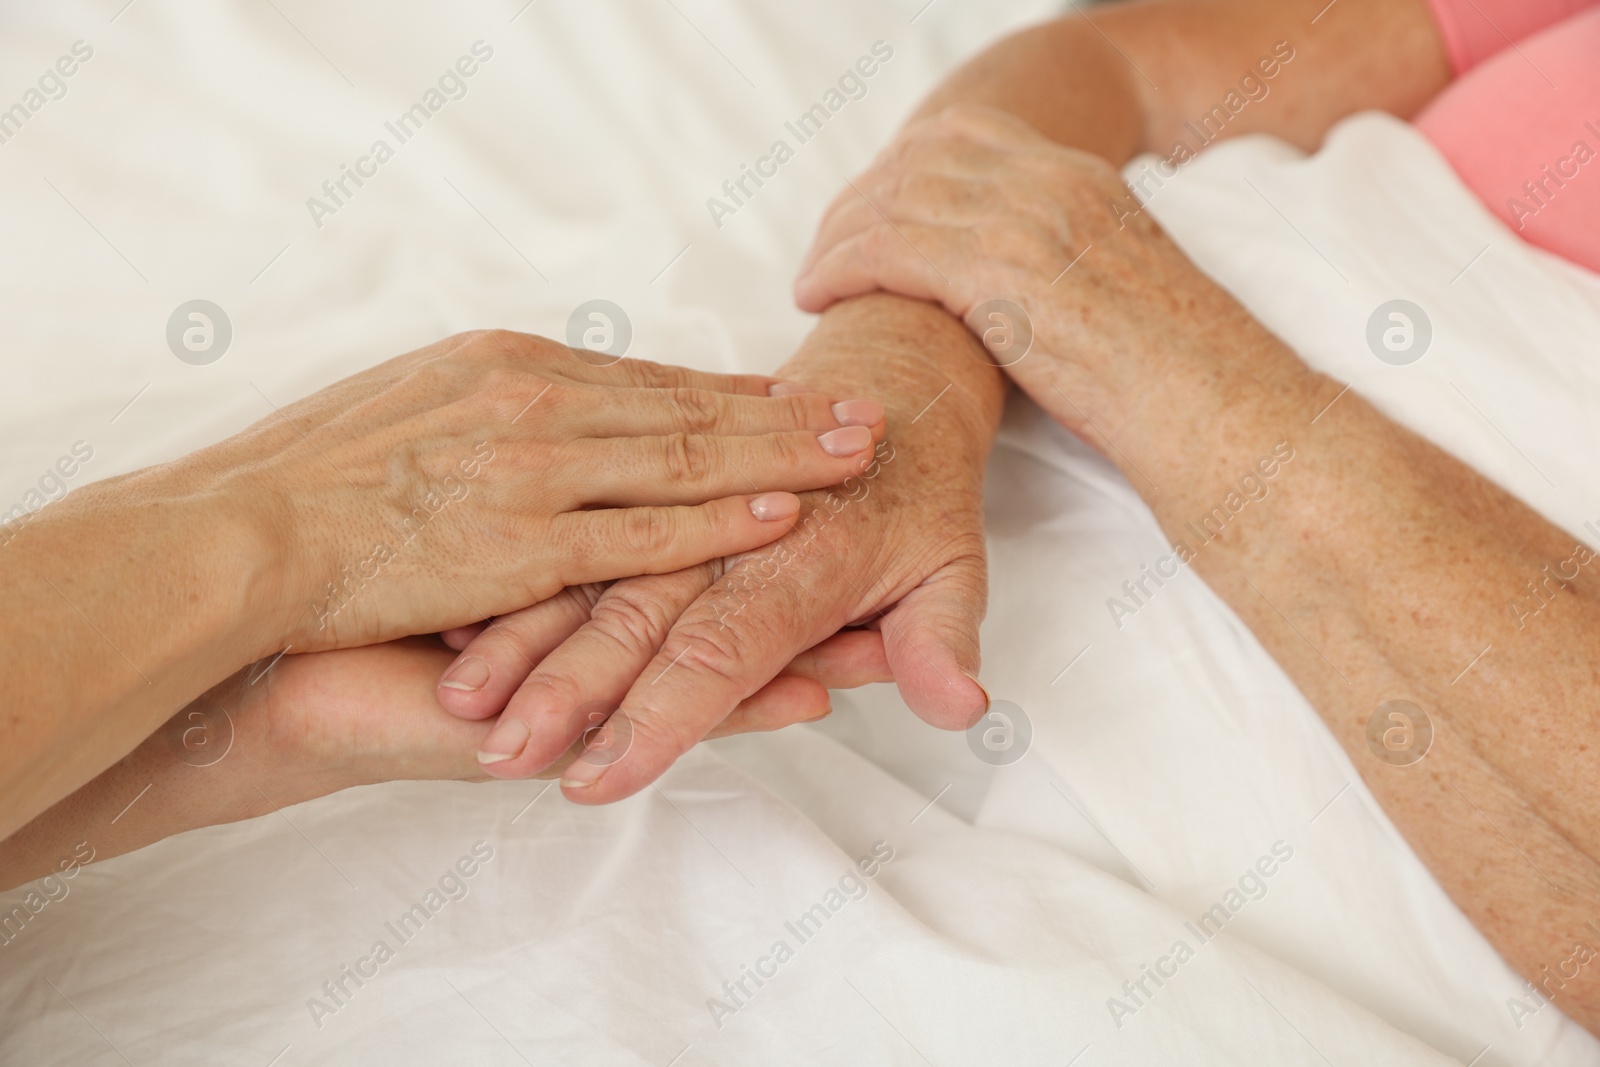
923	188
877	244
513	631
651	374
457	342
658	732
646	531
687	458
469	341
714	652
697	407
547	694
500	340
1011	239
804	410
790	452
509	392
839	207
497	345
632	618
895	157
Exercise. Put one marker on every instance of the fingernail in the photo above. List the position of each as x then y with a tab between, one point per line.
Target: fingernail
469	674
846	441
770	507
976	719
858	412
505	741
581	774
787	389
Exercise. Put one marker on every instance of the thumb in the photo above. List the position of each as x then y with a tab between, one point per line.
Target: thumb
931	640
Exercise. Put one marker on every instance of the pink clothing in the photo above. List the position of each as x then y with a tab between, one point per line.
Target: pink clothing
1521	122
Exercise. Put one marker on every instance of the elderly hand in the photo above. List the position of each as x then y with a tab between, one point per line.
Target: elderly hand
973	206
580	651
489	471
898	550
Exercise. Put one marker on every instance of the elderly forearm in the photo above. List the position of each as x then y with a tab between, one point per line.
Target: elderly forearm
1374	567
925	367
1133	77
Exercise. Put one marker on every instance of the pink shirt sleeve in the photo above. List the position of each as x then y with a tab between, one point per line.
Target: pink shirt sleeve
1474	30
1522	127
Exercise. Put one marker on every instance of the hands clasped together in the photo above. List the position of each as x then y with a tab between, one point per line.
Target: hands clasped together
966	206
607	682
491	558
616	554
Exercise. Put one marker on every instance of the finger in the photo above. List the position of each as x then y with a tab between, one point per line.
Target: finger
912	260
602	546
581	682
379	704
786	700
923	174
841	202
851	214
460	637
800	694
957	147
848	659
929	198
586	366
686	468
651	412
931	641
717	656
489	668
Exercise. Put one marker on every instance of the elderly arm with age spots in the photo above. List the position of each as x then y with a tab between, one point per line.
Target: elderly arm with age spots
1380	569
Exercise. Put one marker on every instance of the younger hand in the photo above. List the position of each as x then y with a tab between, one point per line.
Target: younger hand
491	470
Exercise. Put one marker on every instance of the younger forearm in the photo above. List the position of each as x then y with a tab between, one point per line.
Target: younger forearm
1156	76
126	600
1374	567
207	765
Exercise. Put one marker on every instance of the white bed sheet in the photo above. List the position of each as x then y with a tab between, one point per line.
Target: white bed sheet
1167	760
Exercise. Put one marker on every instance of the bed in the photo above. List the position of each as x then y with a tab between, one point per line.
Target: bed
861	891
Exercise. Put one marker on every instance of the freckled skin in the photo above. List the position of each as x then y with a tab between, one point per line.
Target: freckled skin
1392	560
1380	568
